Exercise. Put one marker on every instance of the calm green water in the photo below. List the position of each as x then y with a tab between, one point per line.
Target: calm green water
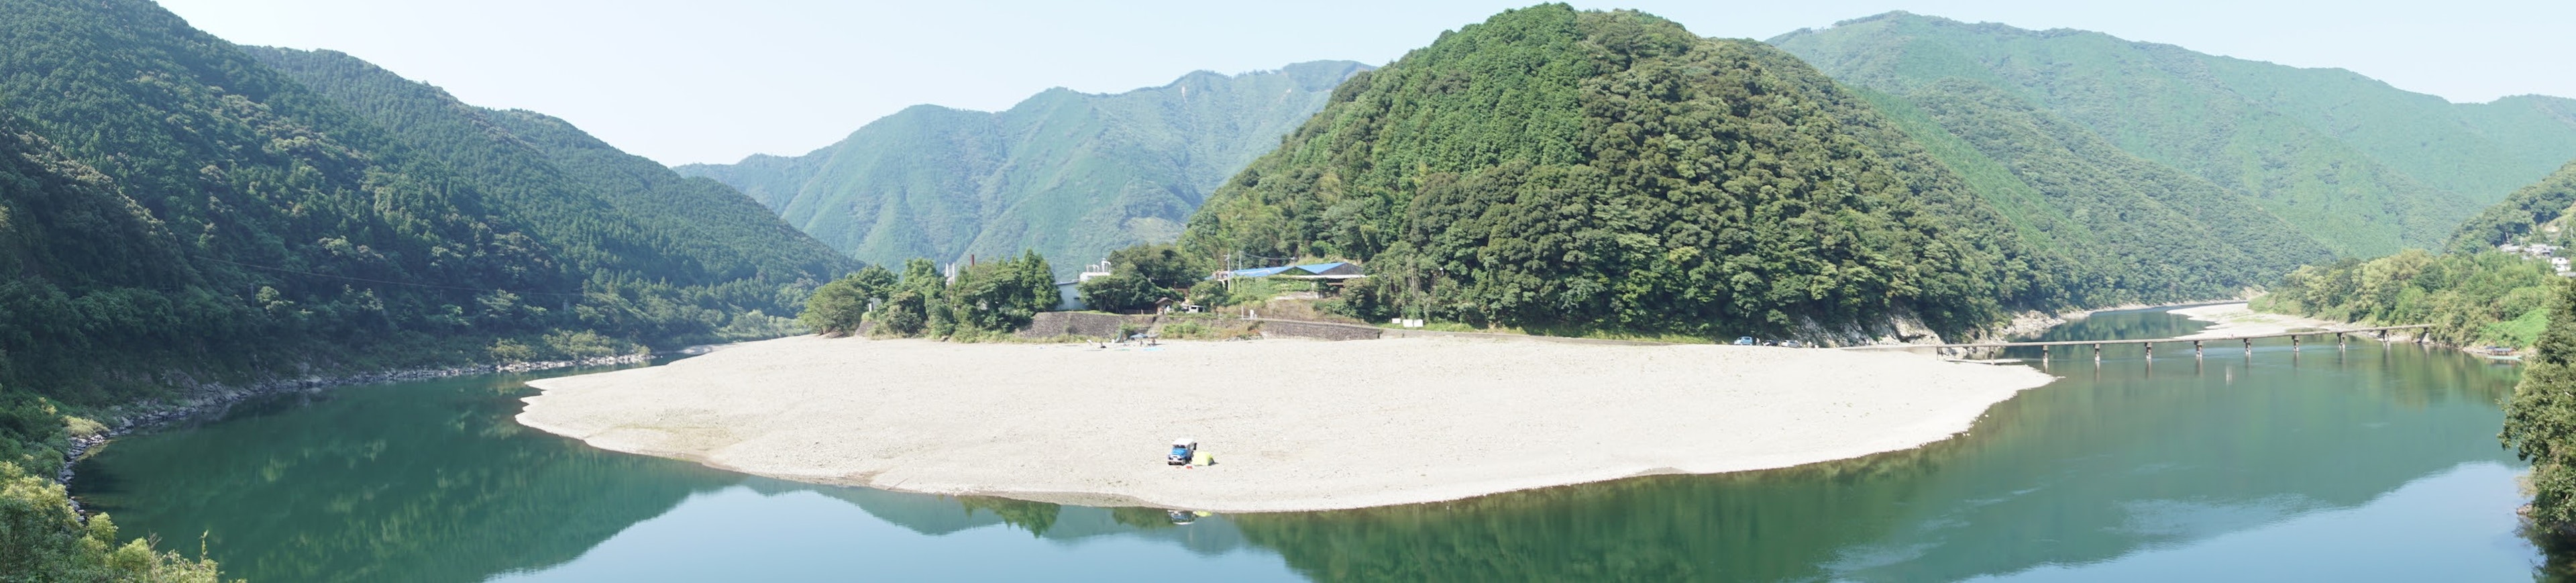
2368	464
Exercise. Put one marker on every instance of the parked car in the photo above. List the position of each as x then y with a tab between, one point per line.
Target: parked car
1183	450
1745	341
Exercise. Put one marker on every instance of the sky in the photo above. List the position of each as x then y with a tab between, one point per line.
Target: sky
689	82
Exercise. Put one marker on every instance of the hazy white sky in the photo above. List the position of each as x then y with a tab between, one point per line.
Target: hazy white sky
709	81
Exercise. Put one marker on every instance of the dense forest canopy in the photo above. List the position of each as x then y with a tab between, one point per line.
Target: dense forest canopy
2473	294
2533	214
175	211
2363	168
1610	170
1067	174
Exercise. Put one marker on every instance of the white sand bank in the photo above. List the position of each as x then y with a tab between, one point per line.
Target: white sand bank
2227	320
1294	425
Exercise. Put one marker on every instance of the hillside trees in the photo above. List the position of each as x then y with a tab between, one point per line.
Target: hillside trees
2490	298
42	540
1610	170
2540	417
2521	215
1067	174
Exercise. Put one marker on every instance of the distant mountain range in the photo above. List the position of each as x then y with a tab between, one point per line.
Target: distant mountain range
2361	167
1069	174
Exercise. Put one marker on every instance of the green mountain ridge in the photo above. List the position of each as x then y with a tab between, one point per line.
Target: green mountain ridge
1068	174
2535	214
1566	170
174	211
2119	217
2362	167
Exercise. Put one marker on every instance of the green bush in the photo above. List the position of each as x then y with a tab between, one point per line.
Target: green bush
42	540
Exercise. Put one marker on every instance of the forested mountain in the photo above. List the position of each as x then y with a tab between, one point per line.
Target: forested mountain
173	211
2473	294
1551	168
2534	214
2138	231
1068	174
2362	167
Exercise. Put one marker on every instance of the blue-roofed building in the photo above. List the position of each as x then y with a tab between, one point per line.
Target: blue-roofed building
1333	270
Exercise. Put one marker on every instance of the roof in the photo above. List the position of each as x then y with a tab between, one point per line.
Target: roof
1311	269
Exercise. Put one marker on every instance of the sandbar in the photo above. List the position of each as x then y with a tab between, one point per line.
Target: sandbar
1293	425
2238	319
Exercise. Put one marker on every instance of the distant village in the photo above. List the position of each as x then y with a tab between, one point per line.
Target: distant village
2541	251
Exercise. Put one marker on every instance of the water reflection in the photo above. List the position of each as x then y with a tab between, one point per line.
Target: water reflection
2114	466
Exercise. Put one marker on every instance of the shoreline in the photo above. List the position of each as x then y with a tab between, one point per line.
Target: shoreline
1295	425
146	415
2034	322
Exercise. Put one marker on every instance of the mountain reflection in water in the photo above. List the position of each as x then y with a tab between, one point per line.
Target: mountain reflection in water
2111	470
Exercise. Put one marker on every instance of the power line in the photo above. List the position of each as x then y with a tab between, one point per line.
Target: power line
448	287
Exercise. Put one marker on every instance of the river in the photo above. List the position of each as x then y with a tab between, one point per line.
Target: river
2370	463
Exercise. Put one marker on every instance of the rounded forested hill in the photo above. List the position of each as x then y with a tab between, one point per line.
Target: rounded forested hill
1575	171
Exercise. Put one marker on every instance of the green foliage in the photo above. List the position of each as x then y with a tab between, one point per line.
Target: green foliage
2361	167
1001	296
41	540
1141	274
1210	295
2480	298
1066	174
2521	216
175	208
1163	265
2540	418
1610	170
2117	216
1121	291
837	308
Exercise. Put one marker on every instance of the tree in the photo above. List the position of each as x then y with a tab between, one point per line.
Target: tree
41	540
2540	418
1002	296
1121	291
1163	265
838	308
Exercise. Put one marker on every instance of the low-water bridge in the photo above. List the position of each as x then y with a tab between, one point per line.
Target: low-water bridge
2197	344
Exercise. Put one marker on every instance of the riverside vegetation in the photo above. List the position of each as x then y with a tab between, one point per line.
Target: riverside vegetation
2540	425
2473	294
987	300
166	195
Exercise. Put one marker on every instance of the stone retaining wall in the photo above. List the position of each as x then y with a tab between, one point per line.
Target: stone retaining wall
1086	324
1286	329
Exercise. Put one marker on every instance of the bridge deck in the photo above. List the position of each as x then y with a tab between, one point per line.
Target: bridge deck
2136	341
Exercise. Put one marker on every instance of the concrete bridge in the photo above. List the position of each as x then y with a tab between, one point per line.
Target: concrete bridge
2342	337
